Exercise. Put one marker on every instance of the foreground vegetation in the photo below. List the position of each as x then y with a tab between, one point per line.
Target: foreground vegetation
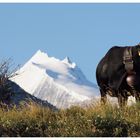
97	121
36	121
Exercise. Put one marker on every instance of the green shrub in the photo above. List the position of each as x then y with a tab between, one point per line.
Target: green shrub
98	121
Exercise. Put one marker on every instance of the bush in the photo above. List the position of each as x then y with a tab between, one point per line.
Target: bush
6	72
99	121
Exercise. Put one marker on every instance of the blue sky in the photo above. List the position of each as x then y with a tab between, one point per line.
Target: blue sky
84	32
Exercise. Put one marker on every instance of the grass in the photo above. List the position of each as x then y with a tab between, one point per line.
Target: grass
98	121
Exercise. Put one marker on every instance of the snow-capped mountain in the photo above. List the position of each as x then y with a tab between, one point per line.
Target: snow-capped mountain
59	82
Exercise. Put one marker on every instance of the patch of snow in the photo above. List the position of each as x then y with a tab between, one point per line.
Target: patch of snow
60	82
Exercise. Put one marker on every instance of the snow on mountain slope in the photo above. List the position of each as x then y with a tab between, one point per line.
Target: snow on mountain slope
60	82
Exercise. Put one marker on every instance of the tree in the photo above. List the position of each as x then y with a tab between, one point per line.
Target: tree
6	72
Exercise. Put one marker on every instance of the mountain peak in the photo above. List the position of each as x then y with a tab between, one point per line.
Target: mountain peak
39	53
67	60
57	81
39	56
